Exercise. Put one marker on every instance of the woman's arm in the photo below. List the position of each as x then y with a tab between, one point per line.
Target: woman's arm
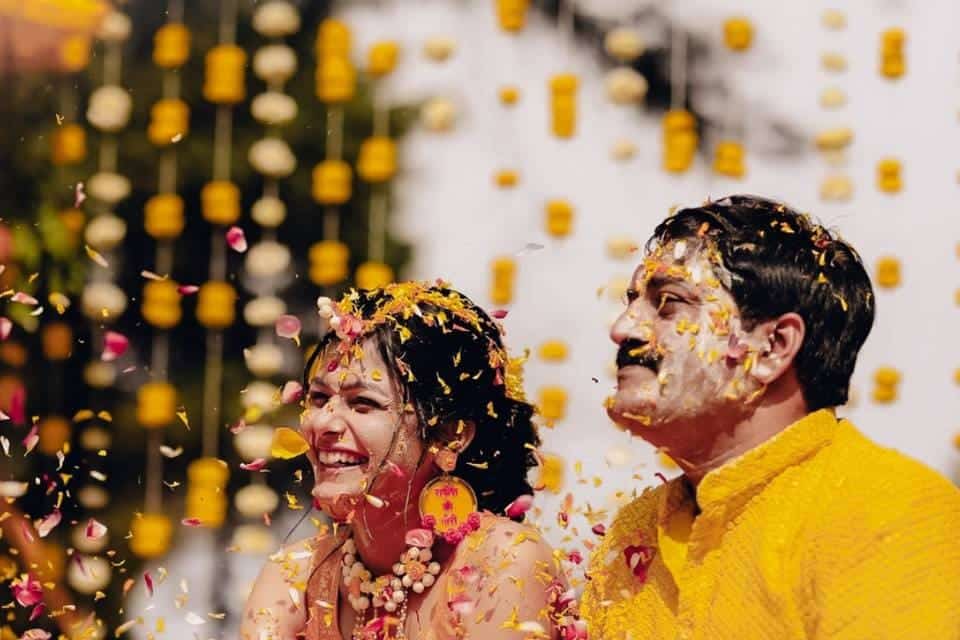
276	608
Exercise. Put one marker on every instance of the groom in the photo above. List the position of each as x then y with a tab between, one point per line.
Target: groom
740	334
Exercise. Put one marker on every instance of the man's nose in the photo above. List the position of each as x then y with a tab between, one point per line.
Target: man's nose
631	325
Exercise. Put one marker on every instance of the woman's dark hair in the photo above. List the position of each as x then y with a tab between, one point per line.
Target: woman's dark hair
781	261
448	359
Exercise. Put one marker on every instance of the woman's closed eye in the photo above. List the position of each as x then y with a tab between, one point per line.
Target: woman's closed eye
363	404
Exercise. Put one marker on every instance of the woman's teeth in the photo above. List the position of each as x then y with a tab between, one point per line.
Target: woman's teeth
339	459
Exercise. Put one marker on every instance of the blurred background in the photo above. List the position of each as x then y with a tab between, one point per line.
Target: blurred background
179	182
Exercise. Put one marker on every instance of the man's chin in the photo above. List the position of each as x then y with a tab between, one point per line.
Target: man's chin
636	417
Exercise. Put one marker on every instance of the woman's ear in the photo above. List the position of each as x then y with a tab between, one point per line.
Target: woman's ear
454	437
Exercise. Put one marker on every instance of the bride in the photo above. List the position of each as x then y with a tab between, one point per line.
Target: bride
420	442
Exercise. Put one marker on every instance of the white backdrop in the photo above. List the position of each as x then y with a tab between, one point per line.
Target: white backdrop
448	208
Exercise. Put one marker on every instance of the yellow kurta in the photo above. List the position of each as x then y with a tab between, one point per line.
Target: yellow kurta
817	533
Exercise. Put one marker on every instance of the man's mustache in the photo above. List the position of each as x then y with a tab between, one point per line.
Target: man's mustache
637	352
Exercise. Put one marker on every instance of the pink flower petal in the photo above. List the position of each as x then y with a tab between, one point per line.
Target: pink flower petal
237	428
31	439
187	289
27	590
78	195
461	604
95	530
292	392
422	538
255	465
575	557
37	612
236	239
18	405
24	298
114	346
6	326
599	529
288	326
519	506
191	522
147	580
499	314
468	574
47	524
35	634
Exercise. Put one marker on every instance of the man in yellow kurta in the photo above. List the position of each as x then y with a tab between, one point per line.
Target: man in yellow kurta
740	334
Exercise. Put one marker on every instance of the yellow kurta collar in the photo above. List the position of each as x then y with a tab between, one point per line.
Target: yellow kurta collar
744	476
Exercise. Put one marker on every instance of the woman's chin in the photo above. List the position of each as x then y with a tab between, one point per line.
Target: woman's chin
336	500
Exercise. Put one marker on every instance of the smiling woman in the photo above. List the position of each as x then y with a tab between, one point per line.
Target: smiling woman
419	436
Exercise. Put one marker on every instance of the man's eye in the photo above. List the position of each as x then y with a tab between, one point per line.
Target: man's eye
668	299
318	398
630	296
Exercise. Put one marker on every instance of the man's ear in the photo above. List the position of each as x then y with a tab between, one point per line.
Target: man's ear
779	342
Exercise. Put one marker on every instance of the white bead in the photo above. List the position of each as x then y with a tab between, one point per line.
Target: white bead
363	603
268	212
626	86
413	553
434	568
438	114
264	359
390	606
396	584
99	375
407	581
89	575
272	157
428	580
267	259
254	500
115	27
276	19
264	311
425	555
105	232
109	108
398	569
350	547
103	301
274	63
378	602
398	596
623	43
418	587
254	442
348	559
108	187
273	107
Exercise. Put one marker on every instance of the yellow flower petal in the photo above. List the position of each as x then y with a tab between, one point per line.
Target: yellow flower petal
287	444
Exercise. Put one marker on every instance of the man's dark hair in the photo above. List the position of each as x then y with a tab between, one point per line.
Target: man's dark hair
782	261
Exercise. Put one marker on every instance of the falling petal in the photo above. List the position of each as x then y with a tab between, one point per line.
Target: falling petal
24	298
167	452
288	326
499	314
95	530
530	247
78	195
255	465
149	582
96	257
114	346
187	289
374	501
6	326
31	440
519	506
150	275
287	444
236	239
292	392
47	524
191	522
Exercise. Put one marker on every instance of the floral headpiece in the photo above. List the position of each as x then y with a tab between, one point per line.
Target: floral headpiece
403	301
